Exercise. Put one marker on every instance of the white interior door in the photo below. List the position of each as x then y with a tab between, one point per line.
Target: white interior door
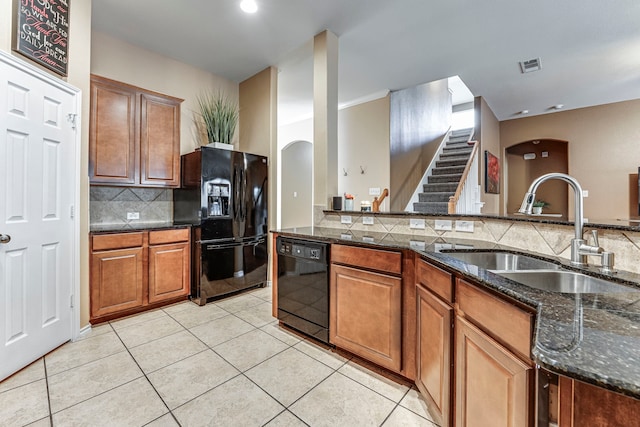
37	194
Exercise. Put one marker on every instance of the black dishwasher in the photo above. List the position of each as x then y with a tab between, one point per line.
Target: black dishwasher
303	286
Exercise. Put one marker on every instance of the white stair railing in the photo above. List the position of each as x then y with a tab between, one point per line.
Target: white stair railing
466	199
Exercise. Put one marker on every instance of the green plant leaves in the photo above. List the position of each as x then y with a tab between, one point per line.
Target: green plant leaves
220	116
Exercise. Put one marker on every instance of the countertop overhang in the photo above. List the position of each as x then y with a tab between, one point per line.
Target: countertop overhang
604	353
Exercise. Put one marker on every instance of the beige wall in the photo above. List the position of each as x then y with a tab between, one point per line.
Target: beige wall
363	141
296	185
259	125
488	133
118	60
603	150
78	76
419	117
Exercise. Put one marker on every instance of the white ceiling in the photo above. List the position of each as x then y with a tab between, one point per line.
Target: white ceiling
590	49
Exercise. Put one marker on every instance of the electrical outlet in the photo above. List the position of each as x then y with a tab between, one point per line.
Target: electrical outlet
368	239
585	193
417	223
374	191
416	244
345	236
464	226
133	215
367	220
345	219
443	225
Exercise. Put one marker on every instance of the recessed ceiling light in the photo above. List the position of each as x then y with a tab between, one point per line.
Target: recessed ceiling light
249	6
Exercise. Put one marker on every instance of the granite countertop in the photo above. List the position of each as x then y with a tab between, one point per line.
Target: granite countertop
604	352
137	226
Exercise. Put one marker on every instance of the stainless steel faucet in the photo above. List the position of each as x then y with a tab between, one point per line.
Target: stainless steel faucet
579	247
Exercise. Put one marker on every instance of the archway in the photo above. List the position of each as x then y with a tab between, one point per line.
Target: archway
528	160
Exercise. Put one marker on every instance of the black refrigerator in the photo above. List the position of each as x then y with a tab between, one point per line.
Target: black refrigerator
223	195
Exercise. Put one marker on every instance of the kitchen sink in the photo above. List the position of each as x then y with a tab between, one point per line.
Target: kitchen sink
564	281
503	261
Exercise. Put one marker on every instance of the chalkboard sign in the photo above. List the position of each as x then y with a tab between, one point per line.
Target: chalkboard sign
42	32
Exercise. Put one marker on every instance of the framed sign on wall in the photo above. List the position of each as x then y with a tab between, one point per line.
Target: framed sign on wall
41	32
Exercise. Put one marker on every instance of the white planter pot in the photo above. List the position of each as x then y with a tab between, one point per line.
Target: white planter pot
220	145
537	210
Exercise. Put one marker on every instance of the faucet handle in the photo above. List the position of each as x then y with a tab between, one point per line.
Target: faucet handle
594	233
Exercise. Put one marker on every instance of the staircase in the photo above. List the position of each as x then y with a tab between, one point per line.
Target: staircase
445	177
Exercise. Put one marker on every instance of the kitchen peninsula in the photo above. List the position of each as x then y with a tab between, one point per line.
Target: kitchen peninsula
584	342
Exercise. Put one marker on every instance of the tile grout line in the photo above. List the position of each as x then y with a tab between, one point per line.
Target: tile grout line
46	379
144	374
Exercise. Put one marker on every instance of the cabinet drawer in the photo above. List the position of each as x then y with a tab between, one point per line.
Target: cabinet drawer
505	322
102	242
162	237
375	259
436	280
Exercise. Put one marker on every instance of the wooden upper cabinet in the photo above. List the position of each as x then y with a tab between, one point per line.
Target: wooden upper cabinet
134	136
159	141
112	125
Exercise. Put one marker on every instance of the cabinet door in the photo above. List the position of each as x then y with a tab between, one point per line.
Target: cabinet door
116	281
159	141
434	354
584	404
365	315
168	271
113	154
492	385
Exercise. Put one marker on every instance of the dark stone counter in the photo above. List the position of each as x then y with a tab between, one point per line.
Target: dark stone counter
594	338
139	226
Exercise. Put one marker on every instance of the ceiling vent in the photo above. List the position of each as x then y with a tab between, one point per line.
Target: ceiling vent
530	65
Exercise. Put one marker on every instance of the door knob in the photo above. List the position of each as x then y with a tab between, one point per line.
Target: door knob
5	238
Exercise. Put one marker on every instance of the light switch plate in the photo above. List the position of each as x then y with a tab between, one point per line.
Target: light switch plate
367	220
443	225
464	226
368	239
133	215
417	223
374	191
345	219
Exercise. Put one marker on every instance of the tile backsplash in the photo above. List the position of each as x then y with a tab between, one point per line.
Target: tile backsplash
542	238
110	205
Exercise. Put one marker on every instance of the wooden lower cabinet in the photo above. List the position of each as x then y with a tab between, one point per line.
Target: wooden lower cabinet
366	315
168	271
116	281
493	386
129	273
434	354
582	404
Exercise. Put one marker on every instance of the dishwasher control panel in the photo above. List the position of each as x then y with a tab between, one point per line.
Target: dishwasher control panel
304	249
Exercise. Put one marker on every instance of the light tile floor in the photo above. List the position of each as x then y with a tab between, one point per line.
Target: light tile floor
227	363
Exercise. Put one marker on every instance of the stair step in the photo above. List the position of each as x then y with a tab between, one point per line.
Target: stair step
462	131
448	170
462	161
449	187
431	207
445	178
458	140
458	148
435	197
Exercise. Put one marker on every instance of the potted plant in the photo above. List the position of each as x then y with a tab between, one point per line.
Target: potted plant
538	205
219	116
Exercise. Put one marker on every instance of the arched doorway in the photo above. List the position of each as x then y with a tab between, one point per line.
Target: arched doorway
296	203
528	160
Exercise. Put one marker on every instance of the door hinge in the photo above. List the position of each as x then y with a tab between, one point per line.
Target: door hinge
71	301
72	118
71	211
